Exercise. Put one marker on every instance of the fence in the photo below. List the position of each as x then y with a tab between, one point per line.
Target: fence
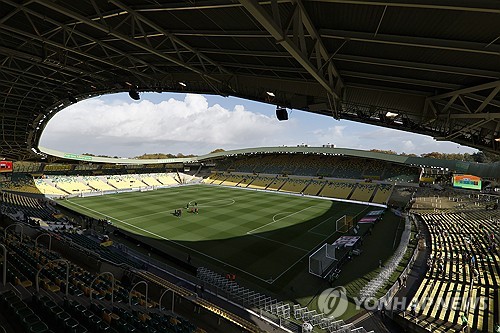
389	295
370	289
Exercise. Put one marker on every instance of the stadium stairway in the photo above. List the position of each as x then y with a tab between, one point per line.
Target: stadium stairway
271	181
372	196
373	322
314	187
352	191
178	179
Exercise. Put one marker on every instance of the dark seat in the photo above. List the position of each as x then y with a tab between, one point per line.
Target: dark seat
30	320
70	325
62	318
38	327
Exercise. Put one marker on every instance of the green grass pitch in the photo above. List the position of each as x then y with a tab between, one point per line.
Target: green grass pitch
260	234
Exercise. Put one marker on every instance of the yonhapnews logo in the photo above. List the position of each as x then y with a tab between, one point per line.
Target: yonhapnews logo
333	302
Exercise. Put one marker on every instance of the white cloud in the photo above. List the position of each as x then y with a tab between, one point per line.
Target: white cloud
366	137
134	128
116	126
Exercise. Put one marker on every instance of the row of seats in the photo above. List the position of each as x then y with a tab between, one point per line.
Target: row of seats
464	263
64	185
93	246
359	191
49	312
36	167
14	204
320	165
20	183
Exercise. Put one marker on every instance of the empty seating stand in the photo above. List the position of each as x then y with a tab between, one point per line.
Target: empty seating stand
464	264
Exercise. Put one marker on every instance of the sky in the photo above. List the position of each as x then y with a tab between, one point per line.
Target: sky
116	125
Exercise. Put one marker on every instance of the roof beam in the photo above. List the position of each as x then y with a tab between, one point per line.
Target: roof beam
167	34
370	61
37	60
59	25
404	80
479	98
127	39
465	129
467	6
423	42
418	66
488	99
332	84
489	85
72	50
490	116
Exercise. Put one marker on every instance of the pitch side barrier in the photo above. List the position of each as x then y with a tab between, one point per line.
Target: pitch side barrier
303	195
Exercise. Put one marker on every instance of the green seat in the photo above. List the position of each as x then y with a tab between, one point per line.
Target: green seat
63	317
17	305
30	320
71	324
56	310
80	308
49	304
24	312
79	329
9	300
38	327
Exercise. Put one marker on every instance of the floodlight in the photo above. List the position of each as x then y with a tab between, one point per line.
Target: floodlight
134	94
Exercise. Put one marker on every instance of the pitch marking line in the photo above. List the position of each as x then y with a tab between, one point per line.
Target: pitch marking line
170	210
276	241
274	217
324	240
317	225
295	263
167	239
228	202
274	221
115	198
142	216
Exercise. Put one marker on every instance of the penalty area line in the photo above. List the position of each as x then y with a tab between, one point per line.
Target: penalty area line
276	241
167	239
291	266
317	225
281	218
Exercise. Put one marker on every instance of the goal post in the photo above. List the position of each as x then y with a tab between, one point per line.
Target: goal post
343	224
321	260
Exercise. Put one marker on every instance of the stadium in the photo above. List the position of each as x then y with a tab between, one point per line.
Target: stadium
260	239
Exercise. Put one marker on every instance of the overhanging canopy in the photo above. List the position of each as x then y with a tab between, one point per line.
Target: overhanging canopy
434	65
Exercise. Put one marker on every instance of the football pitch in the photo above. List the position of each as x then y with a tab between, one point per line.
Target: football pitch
261	234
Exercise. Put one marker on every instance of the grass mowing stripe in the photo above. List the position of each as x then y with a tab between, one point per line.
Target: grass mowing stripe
159	236
276	241
227	235
274	221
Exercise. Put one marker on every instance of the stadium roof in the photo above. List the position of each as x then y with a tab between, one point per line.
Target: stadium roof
490	170
430	67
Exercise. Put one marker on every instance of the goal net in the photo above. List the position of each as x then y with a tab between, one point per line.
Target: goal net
343	224
321	260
